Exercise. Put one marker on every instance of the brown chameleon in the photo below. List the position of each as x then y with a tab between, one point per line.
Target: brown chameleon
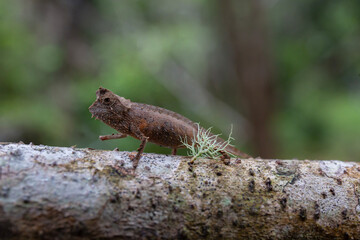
146	123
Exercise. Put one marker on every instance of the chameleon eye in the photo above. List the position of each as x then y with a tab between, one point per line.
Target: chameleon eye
106	100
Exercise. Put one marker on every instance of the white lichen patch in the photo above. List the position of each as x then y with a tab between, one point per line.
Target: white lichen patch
158	165
204	144
42	154
334	168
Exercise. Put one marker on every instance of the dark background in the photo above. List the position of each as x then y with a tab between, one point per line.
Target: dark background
285	74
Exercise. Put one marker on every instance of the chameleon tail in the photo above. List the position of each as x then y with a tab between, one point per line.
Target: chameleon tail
237	152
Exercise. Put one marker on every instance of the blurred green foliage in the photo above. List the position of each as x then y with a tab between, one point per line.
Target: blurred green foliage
317	54
46	88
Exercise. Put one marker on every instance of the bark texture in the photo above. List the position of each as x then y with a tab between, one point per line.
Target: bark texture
68	193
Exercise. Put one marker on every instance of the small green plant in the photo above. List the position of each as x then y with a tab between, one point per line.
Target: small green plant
204	144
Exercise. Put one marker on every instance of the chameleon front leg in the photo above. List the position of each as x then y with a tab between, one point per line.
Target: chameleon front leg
141	136
173	151
112	136
140	151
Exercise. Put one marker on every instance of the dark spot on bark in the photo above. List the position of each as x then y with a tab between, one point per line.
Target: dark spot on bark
192	206
170	189
251	172
4	192
226	161
339	181
175	209
204	231
279	162
346	236
218	174
268	185
219	214
16	153
302	213
137	194
218	230
238	161
190	168
316	211
324	195
131	208
344	214
332	190
283	202
26	199
152	203
253	211
181	235
115	198
252	185
295	178
194	175
321	172
235	223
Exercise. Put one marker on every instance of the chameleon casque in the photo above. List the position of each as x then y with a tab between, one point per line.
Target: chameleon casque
146	123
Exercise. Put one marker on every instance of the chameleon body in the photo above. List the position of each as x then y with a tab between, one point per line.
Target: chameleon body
146	123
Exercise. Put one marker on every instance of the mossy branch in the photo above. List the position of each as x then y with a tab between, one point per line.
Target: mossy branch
68	193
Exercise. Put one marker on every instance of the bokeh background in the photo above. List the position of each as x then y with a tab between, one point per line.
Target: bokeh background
285	74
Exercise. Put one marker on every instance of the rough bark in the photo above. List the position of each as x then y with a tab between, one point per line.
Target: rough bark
68	193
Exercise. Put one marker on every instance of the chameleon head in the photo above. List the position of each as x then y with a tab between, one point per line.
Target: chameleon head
107	103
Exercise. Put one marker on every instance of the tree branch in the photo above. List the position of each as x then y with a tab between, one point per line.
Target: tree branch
67	193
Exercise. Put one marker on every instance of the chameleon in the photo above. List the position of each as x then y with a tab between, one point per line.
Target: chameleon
146	123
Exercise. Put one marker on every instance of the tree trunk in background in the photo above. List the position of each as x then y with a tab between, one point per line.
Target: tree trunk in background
68	25
243	24
67	193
